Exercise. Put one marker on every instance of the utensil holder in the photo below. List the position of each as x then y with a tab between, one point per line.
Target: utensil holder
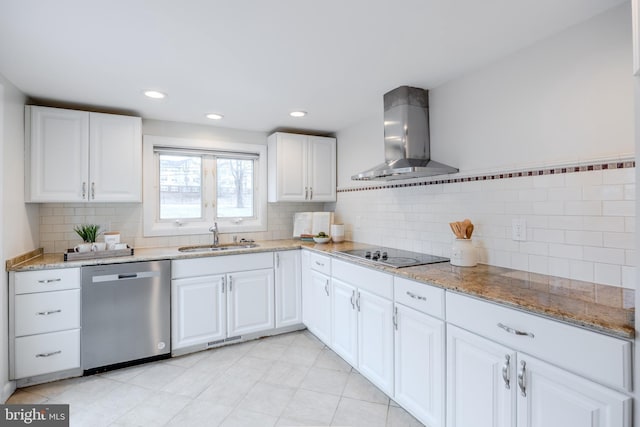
463	253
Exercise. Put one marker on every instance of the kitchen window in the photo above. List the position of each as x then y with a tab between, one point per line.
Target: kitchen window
191	184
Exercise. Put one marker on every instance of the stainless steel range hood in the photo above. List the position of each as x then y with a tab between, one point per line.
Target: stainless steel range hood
406	138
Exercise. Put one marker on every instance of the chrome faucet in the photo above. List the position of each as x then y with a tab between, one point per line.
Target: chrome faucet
215	232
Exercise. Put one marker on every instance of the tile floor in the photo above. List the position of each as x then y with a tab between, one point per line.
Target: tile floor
286	380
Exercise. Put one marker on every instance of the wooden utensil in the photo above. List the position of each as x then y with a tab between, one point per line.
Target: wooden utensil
469	231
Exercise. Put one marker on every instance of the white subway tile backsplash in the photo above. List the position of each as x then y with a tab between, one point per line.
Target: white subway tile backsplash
619	240
583	208
619	208
603	192
629	277
609	274
568	216
581	270
565	251
605	255
584	238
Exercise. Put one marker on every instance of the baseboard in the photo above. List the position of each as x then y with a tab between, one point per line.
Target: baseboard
7	390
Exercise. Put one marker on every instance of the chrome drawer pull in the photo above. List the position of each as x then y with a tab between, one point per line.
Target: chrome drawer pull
506	376
46	313
414	296
522	378
49	280
515	331
53	353
320	264
326	287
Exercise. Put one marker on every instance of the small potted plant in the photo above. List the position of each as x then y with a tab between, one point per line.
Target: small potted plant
87	232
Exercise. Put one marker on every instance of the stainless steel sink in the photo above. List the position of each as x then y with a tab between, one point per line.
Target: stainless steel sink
217	248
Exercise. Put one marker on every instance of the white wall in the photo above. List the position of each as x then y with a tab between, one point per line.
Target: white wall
18	222
565	100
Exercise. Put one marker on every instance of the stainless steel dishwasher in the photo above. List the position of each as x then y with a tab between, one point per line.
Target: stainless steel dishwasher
125	314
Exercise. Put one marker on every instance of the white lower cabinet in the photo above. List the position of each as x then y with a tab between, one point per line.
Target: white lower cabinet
362	321
420	365
250	302
288	284
481	381
198	311
209	307
499	384
316	295
44	322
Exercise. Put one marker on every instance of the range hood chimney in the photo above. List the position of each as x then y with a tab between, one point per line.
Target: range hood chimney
406	138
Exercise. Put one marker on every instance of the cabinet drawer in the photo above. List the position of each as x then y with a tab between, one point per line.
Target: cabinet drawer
368	279
321	263
597	356
425	298
45	353
47	312
47	280
220	264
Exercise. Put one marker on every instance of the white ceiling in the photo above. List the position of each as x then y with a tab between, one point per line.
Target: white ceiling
255	60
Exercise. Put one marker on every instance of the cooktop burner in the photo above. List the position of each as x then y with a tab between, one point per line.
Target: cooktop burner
391	257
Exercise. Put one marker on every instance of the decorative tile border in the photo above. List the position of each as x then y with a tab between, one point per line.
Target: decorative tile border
503	175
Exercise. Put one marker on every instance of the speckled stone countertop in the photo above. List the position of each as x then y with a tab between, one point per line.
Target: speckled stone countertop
602	308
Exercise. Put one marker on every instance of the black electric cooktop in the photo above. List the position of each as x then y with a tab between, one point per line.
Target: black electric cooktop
390	257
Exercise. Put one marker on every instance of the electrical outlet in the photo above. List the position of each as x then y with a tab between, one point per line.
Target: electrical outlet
518	229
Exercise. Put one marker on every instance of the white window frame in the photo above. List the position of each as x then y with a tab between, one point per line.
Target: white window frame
153	226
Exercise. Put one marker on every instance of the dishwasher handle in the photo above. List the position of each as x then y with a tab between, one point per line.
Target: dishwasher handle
128	276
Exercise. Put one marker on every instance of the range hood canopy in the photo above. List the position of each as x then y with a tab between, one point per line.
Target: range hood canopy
406	138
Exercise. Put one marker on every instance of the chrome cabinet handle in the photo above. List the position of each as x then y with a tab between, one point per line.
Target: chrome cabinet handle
310	193
306	193
326	287
277	260
84	190
521	379
358	301
395	317
45	281
320	264
515	331
53	353
224	284
415	296
46	313
506	374
93	190
353	297
230	284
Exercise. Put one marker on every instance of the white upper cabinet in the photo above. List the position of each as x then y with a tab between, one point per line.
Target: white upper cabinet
301	168
78	156
635	12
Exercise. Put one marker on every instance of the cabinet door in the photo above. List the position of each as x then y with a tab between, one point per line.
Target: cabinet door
375	340
288	288
58	152
344	321
291	166
481	381
322	169
320	306
250	302
555	398
198	307
419	365
115	153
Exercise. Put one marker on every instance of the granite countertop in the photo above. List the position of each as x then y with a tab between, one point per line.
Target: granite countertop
602	308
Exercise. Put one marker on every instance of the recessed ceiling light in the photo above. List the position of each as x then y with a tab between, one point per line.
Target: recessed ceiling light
298	113
155	94
214	116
